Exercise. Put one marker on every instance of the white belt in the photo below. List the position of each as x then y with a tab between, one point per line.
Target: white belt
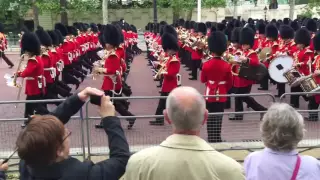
220	82
40	85
52	71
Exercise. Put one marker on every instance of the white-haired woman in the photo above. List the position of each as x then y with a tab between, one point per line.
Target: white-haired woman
282	129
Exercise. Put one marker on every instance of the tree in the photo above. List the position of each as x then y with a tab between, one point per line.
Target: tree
178	6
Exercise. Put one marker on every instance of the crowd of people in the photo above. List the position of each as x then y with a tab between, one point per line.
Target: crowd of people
44	144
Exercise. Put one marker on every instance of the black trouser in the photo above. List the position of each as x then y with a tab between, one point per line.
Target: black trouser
161	106
294	99
5	58
312	105
119	104
281	88
35	108
214	123
264	83
228	102
195	66
252	103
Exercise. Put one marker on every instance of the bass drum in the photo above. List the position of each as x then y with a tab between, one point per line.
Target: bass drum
279	66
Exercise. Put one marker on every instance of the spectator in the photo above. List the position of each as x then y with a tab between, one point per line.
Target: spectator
183	155
3	167
282	129
43	145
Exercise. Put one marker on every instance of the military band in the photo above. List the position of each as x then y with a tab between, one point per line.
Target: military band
231	56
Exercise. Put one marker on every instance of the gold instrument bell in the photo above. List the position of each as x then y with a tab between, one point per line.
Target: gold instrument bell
265	52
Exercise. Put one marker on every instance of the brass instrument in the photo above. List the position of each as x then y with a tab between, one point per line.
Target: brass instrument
230	58
162	69
202	43
264	53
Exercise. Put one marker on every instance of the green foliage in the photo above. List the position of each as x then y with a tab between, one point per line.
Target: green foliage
190	4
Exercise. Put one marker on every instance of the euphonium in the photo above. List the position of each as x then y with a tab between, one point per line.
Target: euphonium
230	58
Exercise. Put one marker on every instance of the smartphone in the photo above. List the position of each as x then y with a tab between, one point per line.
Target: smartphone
96	100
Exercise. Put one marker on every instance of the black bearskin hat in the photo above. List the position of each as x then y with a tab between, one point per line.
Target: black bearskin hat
262	28
316	42
60	37
311	25
237	23
187	25
1	28
44	37
133	28
217	43
94	27
286	21
72	30
181	22
247	36
30	43
54	38
213	29
24	29
161	30
62	28
286	32
271	31
252	26
221	27
193	25
208	24
162	23
99	27
302	36
169	29
202	28
169	42
235	37
118	26
295	25
111	35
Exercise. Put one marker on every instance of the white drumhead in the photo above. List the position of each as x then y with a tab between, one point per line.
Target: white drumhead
279	66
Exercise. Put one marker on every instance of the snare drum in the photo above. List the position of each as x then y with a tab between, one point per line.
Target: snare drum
294	77
308	84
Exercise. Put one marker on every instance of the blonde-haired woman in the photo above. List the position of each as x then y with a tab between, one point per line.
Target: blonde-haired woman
282	129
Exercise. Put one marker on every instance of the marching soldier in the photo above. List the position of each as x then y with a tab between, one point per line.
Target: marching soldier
112	83
241	85
169	71
272	42
3	46
287	47
33	75
314	101
312	28
66	55
234	50
196	53
216	74
303	58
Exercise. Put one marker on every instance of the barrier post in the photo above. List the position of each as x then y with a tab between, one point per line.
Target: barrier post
82	135
88	130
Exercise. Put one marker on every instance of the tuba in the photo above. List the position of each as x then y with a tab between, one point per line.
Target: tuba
163	68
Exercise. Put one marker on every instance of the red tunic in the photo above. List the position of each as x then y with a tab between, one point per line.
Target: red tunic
66	49
216	74
274	45
316	66
304	57
289	48
30	73
48	63
170	80
253	61
113	65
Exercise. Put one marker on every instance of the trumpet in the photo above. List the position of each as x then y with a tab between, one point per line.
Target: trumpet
162	70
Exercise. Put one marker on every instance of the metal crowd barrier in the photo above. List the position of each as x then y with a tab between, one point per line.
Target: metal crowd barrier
237	128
